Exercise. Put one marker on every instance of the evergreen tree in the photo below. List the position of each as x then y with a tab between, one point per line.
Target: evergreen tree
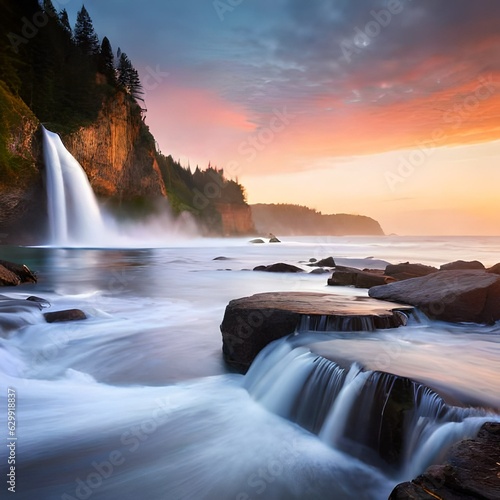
128	77
64	21
85	36
106	62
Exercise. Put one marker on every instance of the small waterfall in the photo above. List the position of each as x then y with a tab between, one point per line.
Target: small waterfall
74	215
380	418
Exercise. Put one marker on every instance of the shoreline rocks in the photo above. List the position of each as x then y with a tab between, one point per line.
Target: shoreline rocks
454	296
250	323
471	471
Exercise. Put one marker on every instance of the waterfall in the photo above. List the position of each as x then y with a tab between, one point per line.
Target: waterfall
74	215
385	420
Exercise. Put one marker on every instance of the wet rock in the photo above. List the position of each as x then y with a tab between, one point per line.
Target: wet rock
8	278
350	276
455	296
65	315
279	267
328	262
250	323
274	240
319	270
39	300
312	259
471	470
221	258
406	270
462	264
257	240
12	274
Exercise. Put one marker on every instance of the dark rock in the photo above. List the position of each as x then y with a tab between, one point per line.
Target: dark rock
494	269
328	262
221	258
24	273
257	240
462	264
312	259
406	270
66	315
319	270
274	240
279	267
471	470
350	276
39	300
250	323
456	296
8	278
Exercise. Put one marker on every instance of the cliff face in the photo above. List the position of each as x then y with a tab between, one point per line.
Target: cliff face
117	152
297	220
22	193
236	219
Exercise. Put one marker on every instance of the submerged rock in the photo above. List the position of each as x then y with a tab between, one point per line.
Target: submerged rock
279	267
250	323
456	296
65	315
327	262
257	240
471	471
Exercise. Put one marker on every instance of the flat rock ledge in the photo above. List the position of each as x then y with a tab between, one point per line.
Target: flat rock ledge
250	323
471	470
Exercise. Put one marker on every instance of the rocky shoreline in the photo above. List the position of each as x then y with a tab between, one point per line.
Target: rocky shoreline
457	292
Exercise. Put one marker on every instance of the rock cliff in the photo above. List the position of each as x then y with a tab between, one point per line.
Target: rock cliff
236	219
117	152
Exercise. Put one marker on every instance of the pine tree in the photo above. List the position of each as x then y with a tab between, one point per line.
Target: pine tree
64	21
128	77
85	36
106	62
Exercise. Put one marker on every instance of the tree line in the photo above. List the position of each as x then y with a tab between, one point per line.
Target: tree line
55	67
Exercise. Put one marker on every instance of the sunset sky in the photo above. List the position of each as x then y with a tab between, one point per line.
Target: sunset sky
385	108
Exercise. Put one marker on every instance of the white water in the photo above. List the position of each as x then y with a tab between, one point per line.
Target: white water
144	376
135	402
76	220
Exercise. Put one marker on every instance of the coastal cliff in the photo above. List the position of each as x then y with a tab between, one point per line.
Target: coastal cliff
117	152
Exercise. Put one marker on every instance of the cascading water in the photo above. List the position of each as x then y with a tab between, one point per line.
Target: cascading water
74	215
385	420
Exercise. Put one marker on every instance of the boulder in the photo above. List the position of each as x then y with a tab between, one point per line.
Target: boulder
350	276
257	240
8	278
221	258
406	270
250	323
279	267
471	470
455	296
273	239
319	270
14	274
462	264
494	269
328	262
65	315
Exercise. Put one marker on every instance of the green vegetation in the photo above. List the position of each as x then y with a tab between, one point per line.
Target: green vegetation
55	69
61	76
286	219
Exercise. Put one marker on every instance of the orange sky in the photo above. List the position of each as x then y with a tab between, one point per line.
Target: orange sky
403	125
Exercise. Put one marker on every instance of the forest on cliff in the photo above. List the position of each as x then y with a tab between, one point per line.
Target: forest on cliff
67	78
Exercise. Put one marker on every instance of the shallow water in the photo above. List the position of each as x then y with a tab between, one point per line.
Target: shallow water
137	402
